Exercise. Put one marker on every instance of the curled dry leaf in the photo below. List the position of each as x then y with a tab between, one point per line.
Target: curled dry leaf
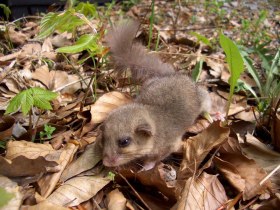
49	181
106	103
264	156
205	192
162	177
196	148
77	190
243	173
116	200
90	157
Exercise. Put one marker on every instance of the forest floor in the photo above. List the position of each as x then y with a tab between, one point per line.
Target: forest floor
49	155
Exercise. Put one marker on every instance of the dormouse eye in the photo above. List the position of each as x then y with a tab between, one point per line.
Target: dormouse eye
124	142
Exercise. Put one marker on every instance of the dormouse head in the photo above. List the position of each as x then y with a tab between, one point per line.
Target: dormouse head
127	134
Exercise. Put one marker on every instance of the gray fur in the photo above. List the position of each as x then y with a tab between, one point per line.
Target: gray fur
168	103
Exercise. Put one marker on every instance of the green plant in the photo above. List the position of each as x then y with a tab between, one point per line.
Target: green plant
197	70
215	8
48	131
111	176
69	21
6	10
235	62
269	87
29	99
203	39
253	32
7	13
32	97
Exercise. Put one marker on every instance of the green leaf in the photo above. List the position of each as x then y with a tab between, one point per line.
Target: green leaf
7	11
197	70
201	38
42	97
62	22
24	100
5	197
85	42
235	62
48	25
86	8
251	69
32	97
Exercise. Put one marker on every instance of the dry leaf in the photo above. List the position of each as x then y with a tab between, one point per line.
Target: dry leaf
89	158
30	150
77	190
6	127
106	103
196	148
205	192
48	182
47	45
163	177
23	166
240	170
16	37
57	80
116	200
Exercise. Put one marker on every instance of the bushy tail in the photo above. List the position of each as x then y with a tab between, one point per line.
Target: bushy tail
129	54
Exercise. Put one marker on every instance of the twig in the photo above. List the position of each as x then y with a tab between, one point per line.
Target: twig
136	193
270	174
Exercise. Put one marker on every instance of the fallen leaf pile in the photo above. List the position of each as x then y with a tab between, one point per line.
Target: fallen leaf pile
218	167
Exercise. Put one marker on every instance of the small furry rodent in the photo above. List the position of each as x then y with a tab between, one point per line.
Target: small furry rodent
151	127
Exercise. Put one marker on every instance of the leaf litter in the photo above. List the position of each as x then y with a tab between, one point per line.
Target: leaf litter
217	167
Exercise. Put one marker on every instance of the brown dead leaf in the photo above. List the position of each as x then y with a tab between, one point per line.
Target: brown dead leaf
106	103
30	150
116	200
47	45
6	127
31	49
48	182
240	170
57	80
23	166
61	40
216	67
77	190
263	155
163	177
90	157
16	37
205	192
196	148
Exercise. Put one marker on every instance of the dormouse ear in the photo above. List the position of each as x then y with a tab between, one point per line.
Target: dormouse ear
144	129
